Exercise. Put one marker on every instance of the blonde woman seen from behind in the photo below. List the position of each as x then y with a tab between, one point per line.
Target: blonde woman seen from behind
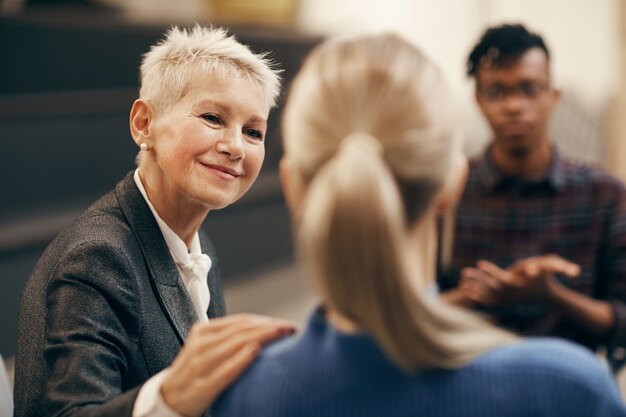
372	158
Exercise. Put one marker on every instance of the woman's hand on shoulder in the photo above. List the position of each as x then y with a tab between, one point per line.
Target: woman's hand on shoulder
214	356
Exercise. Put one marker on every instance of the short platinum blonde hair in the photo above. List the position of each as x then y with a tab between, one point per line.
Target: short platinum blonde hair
183	54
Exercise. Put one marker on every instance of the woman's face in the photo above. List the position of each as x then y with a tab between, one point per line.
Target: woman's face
208	148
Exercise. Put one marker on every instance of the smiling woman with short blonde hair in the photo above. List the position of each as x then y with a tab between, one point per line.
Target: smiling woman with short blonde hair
114	297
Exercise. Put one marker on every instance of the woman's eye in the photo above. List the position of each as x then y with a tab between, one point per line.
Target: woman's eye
254	134
212	118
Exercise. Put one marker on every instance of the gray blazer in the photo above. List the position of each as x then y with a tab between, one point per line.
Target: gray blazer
103	311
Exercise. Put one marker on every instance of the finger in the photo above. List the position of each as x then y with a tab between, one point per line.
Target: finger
531	269
466	273
206	361
486	281
204	334
525	267
559	265
205	340
547	264
522	262
489	274
217	324
470	277
191	396
259	336
480	286
495	271
481	295
230	370
474	295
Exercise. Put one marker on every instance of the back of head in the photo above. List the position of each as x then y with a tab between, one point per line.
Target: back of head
501	45
369	132
381	86
170	65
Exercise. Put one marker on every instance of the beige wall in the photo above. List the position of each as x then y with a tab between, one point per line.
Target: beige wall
583	35
446	29
617	147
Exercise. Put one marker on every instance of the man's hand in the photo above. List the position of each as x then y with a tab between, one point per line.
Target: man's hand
531	279
214	356
488	284
546	266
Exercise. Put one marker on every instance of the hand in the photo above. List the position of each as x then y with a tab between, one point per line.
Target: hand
545	266
488	284
214	356
530	279
539	272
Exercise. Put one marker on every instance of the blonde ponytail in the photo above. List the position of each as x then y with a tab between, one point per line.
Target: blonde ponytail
353	231
351	223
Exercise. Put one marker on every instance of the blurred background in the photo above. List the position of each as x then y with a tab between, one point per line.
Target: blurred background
68	76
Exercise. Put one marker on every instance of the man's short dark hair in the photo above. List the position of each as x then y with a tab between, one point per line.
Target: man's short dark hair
501	44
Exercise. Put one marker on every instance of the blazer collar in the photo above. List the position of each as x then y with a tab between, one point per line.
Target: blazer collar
217	307
161	268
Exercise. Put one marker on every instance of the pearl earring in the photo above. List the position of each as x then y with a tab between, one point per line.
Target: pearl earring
143	146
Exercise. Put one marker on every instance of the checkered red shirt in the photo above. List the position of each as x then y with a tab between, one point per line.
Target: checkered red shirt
578	212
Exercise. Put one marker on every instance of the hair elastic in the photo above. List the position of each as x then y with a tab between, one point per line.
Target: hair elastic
362	140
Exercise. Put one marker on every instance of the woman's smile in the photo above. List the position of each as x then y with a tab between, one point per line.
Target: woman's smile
221	171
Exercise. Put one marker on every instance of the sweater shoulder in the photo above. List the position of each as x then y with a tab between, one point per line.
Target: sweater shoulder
548	361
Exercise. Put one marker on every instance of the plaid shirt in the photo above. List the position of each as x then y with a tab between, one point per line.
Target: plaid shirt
578	212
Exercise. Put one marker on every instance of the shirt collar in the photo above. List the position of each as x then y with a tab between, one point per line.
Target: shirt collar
175	244
491	177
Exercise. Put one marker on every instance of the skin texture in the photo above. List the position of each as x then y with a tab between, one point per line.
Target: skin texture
517	100
530	279
214	356
521	146
203	153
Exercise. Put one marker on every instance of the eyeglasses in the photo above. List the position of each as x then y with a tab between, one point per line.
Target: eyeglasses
526	90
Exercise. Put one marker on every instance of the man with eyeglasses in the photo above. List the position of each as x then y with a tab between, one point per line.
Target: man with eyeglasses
540	239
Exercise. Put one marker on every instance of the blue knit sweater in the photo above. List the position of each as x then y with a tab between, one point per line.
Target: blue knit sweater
327	373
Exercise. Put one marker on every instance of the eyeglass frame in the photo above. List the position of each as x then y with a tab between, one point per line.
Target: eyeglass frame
527	90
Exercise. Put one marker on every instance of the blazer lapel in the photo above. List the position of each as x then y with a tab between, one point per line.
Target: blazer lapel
162	271
217	306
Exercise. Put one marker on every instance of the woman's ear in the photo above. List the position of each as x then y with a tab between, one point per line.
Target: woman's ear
292	186
140	119
285	180
450	196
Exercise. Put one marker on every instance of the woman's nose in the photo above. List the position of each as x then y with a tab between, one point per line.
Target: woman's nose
231	144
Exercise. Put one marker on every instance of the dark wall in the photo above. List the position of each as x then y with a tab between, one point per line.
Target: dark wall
66	86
